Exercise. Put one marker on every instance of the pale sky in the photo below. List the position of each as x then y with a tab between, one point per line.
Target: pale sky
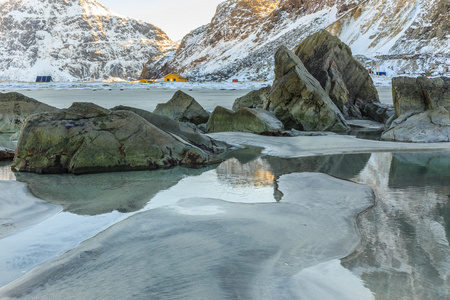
174	17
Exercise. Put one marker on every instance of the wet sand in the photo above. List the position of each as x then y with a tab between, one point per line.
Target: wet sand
148	98
139	98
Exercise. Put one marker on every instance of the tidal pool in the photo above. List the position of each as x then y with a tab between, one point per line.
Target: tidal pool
345	226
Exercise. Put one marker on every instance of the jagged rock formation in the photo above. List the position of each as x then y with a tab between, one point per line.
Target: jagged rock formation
73	40
298	100
243	36
87	138
344	79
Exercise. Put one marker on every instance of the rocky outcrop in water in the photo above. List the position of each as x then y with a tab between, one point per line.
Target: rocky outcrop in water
86	138
420	94
178	129
422	105
245	119
297	98
345	80
15	108
425	127
182	107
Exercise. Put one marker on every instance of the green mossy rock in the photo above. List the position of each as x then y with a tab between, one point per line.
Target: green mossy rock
15	108
254	99
183	108
344	79
420	94
298	100
245	119
86	138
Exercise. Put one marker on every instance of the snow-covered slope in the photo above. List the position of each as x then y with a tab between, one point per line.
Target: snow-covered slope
73	40
243	36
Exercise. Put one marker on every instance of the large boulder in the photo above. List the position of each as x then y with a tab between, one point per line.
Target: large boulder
254	99
183	108
178	130
298	100
86	138
15	108
344	79
420	94
245	119
425	127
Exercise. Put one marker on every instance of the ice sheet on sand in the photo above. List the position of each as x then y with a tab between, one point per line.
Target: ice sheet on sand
320	145
19	209
328	280
226	251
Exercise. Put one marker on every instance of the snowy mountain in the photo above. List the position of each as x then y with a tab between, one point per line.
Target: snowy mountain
240	42
73	40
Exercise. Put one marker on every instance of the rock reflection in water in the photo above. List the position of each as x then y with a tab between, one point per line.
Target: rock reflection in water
407	252
256	173
344	166
94	194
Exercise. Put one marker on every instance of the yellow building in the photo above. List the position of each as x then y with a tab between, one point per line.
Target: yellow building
174	78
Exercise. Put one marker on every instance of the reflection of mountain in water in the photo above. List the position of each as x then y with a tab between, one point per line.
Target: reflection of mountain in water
407	252
256	173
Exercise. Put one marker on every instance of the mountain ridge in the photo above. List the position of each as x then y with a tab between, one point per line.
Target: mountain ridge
74	40
392	31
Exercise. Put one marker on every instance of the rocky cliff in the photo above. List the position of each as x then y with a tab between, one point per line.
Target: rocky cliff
243	36
74	39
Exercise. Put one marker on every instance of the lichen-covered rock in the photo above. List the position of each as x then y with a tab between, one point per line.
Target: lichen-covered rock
86	138
254	99
183	108
245	119
15	108
178	129
424	127
345	80
420	94
298	100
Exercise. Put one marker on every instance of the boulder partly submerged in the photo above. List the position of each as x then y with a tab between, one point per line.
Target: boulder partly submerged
422	106
87	138
344	79
182	107
420	94
429	126
15	108
298	100
179	130
245	120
